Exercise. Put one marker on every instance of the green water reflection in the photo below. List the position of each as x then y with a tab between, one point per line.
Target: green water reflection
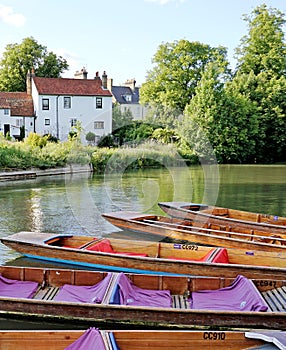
74	203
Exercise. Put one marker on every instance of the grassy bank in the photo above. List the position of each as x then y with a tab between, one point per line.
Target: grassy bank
38	152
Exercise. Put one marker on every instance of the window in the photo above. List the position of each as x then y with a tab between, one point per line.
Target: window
45	104
67	102
6	111
99	102
128	98
47	122
98	125
73	122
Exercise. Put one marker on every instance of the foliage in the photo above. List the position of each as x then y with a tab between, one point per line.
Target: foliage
35	140
90	137
163	116
242	117
132	133
177	71
263	49
148	154
18	59
119	118
262	54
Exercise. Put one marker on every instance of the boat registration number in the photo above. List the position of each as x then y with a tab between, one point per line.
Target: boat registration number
186	246
214	335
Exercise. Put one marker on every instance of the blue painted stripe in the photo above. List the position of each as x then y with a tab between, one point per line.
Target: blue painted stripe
103	267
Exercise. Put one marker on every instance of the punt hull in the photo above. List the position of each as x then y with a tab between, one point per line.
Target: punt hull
183	230
252	264
105	313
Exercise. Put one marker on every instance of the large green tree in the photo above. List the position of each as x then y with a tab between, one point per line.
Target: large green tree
18	59
178	67
263	53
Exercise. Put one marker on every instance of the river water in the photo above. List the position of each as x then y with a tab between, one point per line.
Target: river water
74	203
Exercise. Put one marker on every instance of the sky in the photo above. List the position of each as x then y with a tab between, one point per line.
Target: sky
122	36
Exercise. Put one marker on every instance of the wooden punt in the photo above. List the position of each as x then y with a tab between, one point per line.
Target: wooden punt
147	257
202	233
137	339
230	219
44	304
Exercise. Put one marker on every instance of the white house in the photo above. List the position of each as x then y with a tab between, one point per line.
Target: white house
16	111
127	97
59	103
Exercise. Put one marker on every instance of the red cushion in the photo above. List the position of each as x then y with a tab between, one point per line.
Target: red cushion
221	257
102	246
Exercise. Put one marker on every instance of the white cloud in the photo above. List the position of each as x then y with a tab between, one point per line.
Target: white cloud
164	2
7	15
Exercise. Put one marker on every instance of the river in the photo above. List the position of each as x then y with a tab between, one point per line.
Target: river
74	203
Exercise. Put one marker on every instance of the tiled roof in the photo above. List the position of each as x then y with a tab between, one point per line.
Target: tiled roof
19	103
119	93
74	87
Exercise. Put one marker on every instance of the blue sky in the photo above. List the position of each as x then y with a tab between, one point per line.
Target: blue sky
122	36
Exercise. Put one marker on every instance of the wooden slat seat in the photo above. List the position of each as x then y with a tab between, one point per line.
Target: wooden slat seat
276	299
47	293
180	302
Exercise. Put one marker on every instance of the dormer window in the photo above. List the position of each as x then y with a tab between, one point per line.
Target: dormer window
128	98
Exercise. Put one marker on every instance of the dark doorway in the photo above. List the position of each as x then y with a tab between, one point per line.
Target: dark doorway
6	129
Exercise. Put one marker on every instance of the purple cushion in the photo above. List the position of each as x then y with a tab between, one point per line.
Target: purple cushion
17	289
133	295
84	294
90	340
241	295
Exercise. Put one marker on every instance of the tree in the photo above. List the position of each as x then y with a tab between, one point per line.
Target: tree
263	49
18	59
90	137
119	118
262	53
178	69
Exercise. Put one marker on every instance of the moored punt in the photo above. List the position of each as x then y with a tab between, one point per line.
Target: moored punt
231	219
148	257
145	300
132	339
202	233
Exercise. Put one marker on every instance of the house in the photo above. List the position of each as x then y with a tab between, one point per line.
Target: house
55	105
127	97
16	111
60	103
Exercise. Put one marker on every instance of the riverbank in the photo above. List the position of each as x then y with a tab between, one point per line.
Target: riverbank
13	175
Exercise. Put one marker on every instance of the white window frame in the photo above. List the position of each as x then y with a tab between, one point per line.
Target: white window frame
47	121
98	124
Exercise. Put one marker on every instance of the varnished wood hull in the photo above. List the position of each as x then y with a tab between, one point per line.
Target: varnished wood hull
131	340
236	219
57	311
163	258
187	230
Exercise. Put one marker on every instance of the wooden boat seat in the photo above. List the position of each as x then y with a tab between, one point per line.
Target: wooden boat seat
47	293
276	299
180	302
